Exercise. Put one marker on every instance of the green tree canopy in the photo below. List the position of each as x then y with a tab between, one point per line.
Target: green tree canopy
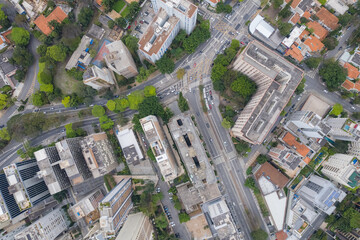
121	104
22	57
277	3
66	101
330	43
244	86
250	183
225	123
85	16
165	65
184	217
284	28
149	91
313	62
56	52
20	36
221	7
121	22
98	111
41	50
111	105
337	109
4	134
261	159
4	21
135	98
182	103
70	133
332	74
259	234
39	99
131	43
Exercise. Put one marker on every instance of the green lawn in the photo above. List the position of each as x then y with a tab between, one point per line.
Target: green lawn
125	12
119	5
322	2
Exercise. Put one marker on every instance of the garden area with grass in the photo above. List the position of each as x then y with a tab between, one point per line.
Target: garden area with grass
125	12
119	5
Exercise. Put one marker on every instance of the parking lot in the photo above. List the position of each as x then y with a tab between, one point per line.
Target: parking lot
143	20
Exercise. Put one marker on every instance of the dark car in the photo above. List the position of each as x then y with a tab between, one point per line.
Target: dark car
177	235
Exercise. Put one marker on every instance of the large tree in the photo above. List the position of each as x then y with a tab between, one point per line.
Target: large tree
259	234
244	86
98	111
85	16
56	52
165	65
313	62
332	74
20	36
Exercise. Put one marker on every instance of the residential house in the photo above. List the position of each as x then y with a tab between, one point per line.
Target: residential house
58	14
327	19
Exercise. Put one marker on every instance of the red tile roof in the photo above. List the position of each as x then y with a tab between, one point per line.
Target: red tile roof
304	33
306	15
273	174
327	18
295	53
319	30
42	22
314	44
357	86
307	160
348	85
353	72
300	148
295	18
281	235
294	3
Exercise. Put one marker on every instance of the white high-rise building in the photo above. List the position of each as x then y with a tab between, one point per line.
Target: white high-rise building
159	36
343	169
309	123
321	194
160	147
276	81
98	78
184	10
46	228
344	129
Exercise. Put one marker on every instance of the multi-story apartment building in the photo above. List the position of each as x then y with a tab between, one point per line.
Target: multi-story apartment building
115	207
98	78
98	154
129	145
321	194
136	227
62	164
172	15
184	10
119	59
20	190
159	36
308	123
343	129
343	169
73	161
87	207
54	176
276	81
285	157
48	227
160	147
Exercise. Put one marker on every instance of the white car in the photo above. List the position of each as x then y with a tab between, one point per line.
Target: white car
326	91
172	224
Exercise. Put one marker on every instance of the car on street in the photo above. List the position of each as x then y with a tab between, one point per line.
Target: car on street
158	189
210	106
177	235
325	91
172	224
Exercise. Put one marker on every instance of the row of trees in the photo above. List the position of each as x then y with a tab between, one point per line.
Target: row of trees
333	74
221	62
